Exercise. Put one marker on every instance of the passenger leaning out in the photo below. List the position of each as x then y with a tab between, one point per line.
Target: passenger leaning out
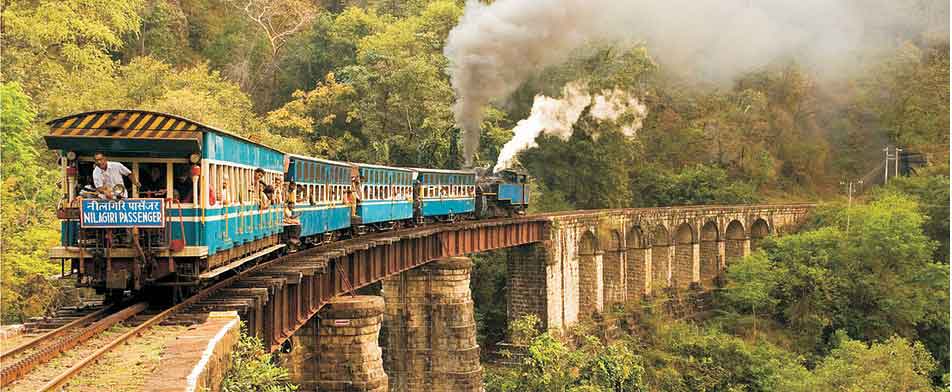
262	191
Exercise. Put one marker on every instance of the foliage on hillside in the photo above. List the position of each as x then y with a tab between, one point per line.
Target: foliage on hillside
676	356
369	83
872	278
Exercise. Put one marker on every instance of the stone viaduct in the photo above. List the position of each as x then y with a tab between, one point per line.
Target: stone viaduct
579	264
590	260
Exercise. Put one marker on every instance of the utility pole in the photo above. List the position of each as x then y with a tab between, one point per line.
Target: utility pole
849	200
886	166
896	161
895	158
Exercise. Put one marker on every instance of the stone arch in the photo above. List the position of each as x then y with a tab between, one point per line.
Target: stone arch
613	269
684	241
710	254
637	256
735	244
587	244
758	230
590	274
660	257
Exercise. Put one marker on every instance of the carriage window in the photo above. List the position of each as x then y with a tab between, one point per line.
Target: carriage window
245	175
152	178
212	181
182	187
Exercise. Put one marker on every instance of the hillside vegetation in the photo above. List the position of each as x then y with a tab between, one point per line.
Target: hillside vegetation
367	81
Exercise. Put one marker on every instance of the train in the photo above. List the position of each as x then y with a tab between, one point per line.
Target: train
196	203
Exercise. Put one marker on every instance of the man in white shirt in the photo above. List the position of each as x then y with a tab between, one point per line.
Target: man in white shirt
107	174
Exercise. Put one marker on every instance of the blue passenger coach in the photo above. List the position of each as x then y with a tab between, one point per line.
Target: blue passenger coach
385	195
214	214
320	194
445	194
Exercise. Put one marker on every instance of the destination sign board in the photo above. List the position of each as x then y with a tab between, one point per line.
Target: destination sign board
146	213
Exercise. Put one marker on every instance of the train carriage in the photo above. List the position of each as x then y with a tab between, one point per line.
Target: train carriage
320	195
384	196
203	179
444	194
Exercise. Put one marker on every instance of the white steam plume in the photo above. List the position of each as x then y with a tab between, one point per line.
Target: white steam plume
556	116
496	47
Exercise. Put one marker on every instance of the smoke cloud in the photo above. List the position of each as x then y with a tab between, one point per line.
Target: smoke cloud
496	47
556	116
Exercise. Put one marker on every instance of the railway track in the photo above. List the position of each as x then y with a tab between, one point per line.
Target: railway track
20	360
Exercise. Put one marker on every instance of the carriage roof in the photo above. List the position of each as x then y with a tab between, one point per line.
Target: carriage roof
372	166
443	171
154	133
321	160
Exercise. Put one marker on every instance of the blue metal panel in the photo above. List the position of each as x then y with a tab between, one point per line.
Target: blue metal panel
317	220
512	193
69	232
226	148
439	207
384	211
244	224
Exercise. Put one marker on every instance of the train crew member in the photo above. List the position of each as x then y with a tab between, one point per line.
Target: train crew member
153	184
107	174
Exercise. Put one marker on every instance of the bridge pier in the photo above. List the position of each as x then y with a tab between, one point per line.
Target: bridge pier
639	278
661	260
540	285
349	354
721	255
431	329
614	266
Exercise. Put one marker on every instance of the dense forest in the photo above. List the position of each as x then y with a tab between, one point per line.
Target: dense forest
864	309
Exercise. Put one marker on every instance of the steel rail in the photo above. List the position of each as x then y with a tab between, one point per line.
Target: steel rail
64	377
52	334
23	366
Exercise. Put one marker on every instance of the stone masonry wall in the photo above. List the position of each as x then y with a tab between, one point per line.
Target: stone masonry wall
431	329
527	282
613	265
734	249
350	357
683	265
709	262
637	272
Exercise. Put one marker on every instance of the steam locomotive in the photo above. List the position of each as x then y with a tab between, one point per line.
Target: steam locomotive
198	202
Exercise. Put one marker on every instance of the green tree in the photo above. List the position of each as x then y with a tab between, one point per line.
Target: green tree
894	364
932	196
751	282
48	43
875	281
590	172
28	199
